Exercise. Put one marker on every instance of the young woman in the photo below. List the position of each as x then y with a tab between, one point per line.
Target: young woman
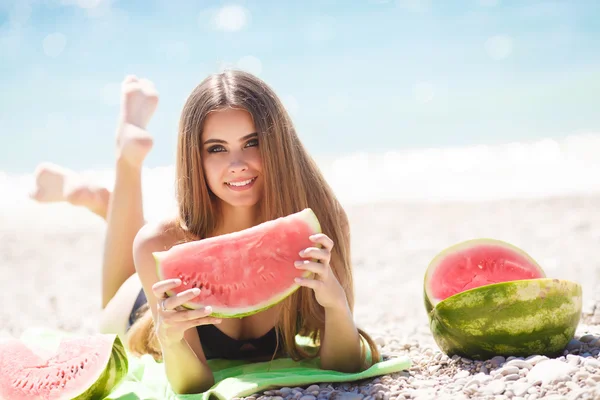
239	163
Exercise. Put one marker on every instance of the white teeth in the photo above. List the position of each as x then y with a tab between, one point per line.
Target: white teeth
244	183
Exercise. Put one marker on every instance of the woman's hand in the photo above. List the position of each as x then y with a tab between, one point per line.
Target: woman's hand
171	319
328	291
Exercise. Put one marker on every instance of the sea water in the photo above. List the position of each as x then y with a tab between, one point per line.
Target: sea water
545	167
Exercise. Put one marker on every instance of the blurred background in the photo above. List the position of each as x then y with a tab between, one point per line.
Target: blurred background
396	99
467	118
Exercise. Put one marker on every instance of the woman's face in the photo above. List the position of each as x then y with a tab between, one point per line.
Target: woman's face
231	158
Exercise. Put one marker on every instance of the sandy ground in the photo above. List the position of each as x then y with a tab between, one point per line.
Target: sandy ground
50	259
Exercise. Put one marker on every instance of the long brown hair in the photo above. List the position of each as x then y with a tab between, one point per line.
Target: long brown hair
292	182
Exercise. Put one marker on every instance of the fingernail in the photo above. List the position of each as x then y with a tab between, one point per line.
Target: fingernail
196	291
302	252
208	308
298	263
217	321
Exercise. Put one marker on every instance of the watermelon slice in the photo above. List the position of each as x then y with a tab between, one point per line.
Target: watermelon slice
244	272
82	368
475	263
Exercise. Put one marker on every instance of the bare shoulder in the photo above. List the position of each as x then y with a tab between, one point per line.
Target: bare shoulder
157	236
153	237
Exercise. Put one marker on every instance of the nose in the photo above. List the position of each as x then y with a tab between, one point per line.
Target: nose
238	165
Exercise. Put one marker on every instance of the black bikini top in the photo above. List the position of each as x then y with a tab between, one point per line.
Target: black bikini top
217	344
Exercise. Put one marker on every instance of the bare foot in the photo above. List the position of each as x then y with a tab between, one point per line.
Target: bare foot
54	183
139	100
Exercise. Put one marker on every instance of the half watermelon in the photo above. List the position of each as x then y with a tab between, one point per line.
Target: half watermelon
486	298
244	272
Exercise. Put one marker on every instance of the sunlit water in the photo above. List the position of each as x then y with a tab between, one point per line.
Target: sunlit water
512	170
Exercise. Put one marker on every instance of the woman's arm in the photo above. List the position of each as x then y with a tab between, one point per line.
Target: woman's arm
340	340
184	360
185	372
340	345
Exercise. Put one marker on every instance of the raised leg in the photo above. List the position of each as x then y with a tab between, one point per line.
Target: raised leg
122	209
125	210
54	183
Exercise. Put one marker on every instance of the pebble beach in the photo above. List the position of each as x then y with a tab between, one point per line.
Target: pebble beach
50	257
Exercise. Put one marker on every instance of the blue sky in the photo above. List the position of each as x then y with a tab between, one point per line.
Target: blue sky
361	75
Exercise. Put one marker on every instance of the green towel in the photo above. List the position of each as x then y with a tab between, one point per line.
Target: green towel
146	378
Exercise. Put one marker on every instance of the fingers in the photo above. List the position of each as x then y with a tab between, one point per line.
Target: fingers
310	283
160	288
323	255
187	315
190	315
323	240
185	319
179	299
317	268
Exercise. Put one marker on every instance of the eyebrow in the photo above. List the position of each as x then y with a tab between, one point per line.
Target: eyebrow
248	136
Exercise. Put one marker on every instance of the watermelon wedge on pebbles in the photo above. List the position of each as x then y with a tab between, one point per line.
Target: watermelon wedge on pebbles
486	297
244	272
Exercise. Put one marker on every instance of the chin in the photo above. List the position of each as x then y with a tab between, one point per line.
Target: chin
234	201
239	203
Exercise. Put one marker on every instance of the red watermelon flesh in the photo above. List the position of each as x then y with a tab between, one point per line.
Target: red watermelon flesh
82	368
243	272
476	263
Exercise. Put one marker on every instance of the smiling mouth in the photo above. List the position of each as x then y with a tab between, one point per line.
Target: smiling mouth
241	184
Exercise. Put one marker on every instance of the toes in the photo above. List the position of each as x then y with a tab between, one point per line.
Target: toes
130	78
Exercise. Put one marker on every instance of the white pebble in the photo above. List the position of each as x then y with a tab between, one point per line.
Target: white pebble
512	377
462	374
550	371
519	364
434	368
533	360
590	382
520	388
581	375
508	370
572	385
494	387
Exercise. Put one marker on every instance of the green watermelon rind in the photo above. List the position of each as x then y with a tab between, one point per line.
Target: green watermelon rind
516	318
429	302
116	369
311	219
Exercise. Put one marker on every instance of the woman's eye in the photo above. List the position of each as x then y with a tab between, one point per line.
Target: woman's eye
215	149
253	142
